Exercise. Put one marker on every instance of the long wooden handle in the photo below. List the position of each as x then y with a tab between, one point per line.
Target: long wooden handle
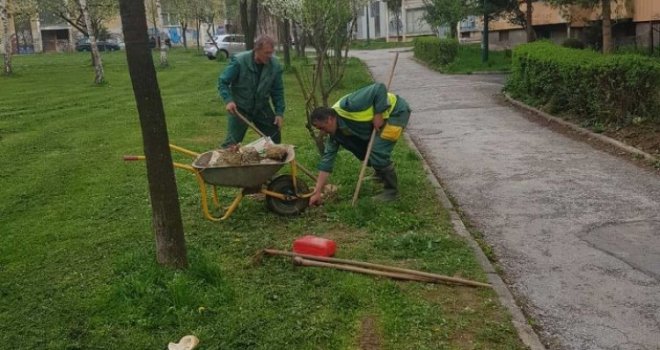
379	267
399	276
371	141
249	123
363	169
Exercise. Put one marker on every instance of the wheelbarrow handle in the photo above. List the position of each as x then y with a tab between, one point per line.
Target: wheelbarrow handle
132	158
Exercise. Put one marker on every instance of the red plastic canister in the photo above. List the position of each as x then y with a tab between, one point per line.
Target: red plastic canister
312	245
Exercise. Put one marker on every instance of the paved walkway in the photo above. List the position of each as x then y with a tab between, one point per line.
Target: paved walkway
576	230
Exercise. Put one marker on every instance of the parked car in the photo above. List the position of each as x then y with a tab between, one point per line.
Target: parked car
103	45
227	44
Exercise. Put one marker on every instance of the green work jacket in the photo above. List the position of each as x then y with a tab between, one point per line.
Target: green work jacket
252	91
354	135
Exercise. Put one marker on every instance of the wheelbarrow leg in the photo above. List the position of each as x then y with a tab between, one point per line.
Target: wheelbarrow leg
205	204
233	205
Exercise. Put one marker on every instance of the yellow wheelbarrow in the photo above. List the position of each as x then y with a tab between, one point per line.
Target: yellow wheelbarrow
285	194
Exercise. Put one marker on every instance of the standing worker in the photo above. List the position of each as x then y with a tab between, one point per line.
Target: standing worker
251	81
350	123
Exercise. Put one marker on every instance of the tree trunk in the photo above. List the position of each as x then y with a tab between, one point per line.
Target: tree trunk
252	22
531	35
199	28
4	17
286	40
245	24
166	214
454	30
184	29
163	48
607	26
298	39
397	18
96	57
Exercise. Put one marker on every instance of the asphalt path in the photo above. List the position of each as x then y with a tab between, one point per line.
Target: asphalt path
576	230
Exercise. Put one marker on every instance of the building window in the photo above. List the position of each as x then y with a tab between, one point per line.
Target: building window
504	35
465	35
414	22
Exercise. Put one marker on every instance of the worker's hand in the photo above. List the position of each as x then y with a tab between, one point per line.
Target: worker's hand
315	199
279	121
231	107
378	121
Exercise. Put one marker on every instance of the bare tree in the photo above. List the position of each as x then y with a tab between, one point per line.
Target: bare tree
183	12
5	16
529	25
96	57
606	15
163	48
166	213
249	13
70	11
394	6
329	25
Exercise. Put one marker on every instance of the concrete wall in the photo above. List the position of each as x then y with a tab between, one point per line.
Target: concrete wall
646	10
644	35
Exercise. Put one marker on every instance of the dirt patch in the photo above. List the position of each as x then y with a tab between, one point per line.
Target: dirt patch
645	136
370	338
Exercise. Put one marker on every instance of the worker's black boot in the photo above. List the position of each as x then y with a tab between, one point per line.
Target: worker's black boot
391	184
376	177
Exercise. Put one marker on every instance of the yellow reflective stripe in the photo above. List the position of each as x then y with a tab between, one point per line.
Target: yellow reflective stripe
367	114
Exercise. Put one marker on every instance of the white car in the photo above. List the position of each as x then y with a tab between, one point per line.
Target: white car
225	45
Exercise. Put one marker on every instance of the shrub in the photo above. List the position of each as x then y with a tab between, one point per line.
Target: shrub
435	51
573	43
632	50
602	88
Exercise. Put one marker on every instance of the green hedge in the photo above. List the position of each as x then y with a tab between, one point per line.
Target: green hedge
605	88
435	51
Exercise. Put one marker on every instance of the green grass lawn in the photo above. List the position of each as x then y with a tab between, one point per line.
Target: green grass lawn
469	61
77	258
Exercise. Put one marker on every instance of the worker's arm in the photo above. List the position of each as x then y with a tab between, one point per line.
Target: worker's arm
321	180
380	104
325	166
277	92
228	76
277	96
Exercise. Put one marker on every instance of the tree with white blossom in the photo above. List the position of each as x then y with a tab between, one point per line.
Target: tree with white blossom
328	25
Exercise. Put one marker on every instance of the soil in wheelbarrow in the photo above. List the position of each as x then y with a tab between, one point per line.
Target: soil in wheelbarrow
242	156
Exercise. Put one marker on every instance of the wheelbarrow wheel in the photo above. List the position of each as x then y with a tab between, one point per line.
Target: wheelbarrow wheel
284	184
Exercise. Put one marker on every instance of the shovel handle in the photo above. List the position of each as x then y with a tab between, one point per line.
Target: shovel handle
358	185
129	158
249	123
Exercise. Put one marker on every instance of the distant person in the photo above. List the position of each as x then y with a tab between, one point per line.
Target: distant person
252	85
350	122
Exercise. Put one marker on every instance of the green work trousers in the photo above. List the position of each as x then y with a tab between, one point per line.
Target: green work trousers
236	128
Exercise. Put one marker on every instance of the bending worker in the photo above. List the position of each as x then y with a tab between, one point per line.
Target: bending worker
350	122
248	85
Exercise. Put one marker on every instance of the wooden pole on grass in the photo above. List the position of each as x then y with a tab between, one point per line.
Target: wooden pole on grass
400	273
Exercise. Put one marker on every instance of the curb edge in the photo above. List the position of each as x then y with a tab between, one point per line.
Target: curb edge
525	331
600	137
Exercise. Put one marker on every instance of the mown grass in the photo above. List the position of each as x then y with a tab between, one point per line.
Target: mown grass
77	266
469	61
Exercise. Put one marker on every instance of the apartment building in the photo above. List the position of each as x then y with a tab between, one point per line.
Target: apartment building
45	32
376	21
638	25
